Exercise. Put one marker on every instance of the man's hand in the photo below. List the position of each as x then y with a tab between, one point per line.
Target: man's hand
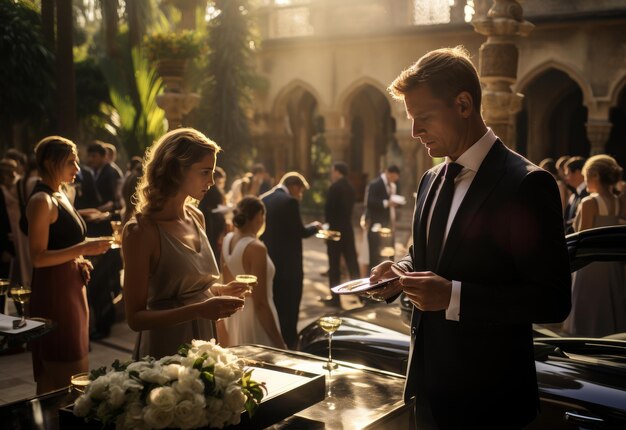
383	271
427	290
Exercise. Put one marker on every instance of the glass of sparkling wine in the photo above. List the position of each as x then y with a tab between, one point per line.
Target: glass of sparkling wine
79	382
4	286
330	325
249	280
21	295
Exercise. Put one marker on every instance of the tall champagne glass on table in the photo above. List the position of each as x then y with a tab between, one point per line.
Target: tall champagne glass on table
330	325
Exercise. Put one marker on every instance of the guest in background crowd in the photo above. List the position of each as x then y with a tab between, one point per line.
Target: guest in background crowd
131	179
338	214
105	283
213	208
283	237
576	181
56	234
7	248
380	210
243	253
549	165
598	289
170	271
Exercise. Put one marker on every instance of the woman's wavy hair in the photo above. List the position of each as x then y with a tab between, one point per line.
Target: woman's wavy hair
51	153
166	164
246	210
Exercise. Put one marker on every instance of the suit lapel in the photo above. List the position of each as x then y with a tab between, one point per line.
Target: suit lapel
487	177
420	218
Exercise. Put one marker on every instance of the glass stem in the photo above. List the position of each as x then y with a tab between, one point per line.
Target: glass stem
330	355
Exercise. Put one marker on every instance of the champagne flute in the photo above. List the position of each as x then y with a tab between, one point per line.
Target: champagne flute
80	381
21	295
330	325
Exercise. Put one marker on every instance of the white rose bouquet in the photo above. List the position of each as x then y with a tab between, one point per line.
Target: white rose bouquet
204	385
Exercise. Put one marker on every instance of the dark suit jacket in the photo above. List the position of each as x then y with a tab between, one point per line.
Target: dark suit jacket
506	246
338	207
571	208
284	232
375	211
215	222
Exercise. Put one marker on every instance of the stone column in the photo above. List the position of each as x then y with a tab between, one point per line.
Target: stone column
337	135
598	131
503	24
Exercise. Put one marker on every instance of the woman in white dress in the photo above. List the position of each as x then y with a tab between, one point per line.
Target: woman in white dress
244	253
598	289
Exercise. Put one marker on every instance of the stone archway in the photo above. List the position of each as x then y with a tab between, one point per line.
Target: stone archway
294	115
372	143
553	117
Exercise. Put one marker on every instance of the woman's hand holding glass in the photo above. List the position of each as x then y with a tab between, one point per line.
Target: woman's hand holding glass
96	245
219	307
234	288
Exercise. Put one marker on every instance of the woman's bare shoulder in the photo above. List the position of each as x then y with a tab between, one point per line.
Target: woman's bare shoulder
139	230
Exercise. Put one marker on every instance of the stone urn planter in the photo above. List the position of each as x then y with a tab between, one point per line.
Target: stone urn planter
172	72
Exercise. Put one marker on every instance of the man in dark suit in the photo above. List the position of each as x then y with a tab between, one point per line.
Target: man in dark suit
488	260
338	214
215	222
283	236
574	178
380	211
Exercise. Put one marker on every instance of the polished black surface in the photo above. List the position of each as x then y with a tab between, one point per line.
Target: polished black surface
356	397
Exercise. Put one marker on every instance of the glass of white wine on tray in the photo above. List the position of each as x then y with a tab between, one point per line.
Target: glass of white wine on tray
20	294
330	325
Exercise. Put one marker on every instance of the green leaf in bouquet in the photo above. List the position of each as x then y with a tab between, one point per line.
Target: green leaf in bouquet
209	382
95	373
183	349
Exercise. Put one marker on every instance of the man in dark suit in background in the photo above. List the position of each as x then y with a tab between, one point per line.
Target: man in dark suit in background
215	222
380	211
574	178
283	236
488	258
338	214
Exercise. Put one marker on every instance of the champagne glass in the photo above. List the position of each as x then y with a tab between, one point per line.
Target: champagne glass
79	382
4	286
249	280
330	325
116	226
21	295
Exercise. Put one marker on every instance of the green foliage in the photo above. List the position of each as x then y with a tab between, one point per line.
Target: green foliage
91	89
171	45
321	163
137	125
225	92
27	72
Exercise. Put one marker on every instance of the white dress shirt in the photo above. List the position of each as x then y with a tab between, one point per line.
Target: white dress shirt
471	161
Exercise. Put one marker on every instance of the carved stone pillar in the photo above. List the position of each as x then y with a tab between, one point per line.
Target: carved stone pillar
498	65
337	135
176	106
598	132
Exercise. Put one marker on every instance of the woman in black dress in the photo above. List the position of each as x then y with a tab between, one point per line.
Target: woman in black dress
56	236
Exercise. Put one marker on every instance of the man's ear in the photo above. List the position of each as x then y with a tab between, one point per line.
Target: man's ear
464	103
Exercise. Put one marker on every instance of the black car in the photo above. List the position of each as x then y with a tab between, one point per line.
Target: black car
582	381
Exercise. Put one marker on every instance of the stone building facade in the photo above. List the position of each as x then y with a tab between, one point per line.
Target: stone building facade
334	60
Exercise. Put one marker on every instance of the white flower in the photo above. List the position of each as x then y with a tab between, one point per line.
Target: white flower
157	418
171	370
234	398
82	406
164	398
97	389
116	396
138	366
188	381
189	414
154	375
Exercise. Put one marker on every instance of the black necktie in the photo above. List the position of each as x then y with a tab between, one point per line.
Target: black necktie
439	219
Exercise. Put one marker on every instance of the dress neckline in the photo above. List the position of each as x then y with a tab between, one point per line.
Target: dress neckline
175	239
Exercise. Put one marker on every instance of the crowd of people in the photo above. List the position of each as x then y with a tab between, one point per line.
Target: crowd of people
484	205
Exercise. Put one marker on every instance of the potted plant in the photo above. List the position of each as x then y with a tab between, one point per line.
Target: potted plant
170	52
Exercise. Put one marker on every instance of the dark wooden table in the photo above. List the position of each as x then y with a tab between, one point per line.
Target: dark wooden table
356	398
